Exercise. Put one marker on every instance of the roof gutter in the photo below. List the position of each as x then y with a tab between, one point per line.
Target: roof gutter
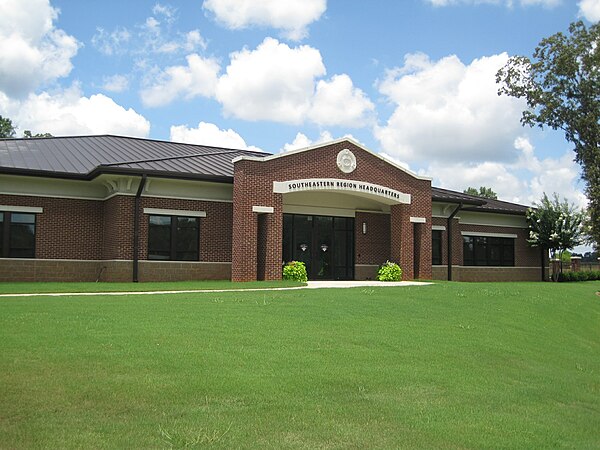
101	170
136	227
449	237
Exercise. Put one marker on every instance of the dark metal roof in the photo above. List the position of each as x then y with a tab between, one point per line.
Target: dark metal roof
88	156
474	203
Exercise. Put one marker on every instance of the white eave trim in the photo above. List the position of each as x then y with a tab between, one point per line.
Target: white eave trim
418	220
21	209
174	212
480	234
324	144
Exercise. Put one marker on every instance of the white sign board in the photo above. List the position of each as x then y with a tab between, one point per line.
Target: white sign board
334	184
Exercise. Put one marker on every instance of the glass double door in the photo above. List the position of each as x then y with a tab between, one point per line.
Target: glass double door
325	244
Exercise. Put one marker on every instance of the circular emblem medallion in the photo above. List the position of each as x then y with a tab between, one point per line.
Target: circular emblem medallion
346	161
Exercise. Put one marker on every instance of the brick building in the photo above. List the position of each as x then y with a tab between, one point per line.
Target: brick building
113	208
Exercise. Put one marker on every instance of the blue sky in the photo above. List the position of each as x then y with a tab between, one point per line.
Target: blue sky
413	79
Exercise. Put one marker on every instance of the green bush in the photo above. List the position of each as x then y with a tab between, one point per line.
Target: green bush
295	271
588	275
389	271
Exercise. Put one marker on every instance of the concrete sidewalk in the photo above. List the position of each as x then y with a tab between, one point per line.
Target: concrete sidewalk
309	285
370	283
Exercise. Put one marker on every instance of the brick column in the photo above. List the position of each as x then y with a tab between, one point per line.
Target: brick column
401	240
252	190
244	236
425	251
575	263
244	244
274	242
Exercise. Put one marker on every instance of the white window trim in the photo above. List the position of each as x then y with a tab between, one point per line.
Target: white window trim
263	209
418	220
480	234
21	209
438	228
174	212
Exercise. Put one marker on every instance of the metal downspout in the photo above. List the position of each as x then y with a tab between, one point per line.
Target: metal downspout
136	228
460	205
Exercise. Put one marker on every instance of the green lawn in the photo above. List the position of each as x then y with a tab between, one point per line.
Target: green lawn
452	365
28	288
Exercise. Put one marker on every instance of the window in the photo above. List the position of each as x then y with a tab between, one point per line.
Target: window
173	238
17	235
488	251
436	247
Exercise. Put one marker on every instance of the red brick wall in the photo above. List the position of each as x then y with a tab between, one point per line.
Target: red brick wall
253	185
118	227
373	247
525	256
29	270
67	229
215	228
103	230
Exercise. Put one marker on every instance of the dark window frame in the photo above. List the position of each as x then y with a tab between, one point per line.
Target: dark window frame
436	243
6	229
174	232
490	251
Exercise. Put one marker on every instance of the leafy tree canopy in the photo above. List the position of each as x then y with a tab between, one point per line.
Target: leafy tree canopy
483	191
561	85
556	225
7	129
28	135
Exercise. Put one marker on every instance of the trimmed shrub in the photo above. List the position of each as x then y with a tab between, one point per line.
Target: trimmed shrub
390	271
587	275
295	271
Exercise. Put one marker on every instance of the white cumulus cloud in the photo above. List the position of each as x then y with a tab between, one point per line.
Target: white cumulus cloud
32	50
507	3
302	141
292	17
115	83
68	112
197	78
590	10
273	82
523	180
446	110
282	84
210	134
338	102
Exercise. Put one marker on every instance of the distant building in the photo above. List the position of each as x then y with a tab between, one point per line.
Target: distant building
118	209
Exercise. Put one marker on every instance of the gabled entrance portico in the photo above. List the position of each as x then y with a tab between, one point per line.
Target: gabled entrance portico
339	208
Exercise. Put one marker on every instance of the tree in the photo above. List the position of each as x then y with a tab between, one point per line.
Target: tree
555	226
7	130
28	135
561	85
483	191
